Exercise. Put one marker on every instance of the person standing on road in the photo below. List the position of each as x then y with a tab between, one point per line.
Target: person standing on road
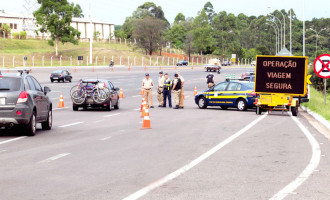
160	88
176	90
147	84
167	91
210	80
181	93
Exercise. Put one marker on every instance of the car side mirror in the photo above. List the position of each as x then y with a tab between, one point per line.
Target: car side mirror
46	90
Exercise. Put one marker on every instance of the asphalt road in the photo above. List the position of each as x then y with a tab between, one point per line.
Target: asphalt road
188	154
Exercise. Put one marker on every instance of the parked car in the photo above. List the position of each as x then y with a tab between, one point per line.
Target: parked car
60	75
182	62
95	93
24	103
253	63
226	63
211	67
239	94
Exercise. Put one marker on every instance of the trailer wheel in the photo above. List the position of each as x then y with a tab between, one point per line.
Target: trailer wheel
258	110
294	111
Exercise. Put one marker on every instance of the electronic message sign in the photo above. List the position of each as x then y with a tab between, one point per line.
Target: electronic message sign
281	74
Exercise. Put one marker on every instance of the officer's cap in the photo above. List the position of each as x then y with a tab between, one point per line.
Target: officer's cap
161	72
147	74
176	75
166	73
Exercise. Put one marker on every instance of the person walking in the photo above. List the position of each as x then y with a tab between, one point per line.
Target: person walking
160	88
181	93
167	91
210	80
176	90
147	84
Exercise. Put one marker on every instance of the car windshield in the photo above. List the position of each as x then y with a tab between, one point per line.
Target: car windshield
10	84
250	86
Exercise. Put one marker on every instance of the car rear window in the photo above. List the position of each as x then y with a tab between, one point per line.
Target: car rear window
10	84
250	86
57	72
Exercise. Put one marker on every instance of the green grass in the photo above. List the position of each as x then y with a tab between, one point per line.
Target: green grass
316	104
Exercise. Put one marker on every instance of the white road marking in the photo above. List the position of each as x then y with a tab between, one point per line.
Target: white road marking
136	96
106	138
99	121
54	158
192	164
312	165
76	123
12	140
112	115
60	108
2	151
187	96
138	109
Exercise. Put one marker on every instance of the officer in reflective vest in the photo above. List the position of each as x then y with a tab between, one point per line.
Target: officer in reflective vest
167	91
176	90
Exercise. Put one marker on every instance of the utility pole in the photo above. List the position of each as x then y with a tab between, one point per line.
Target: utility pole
284	28
290	32
91	34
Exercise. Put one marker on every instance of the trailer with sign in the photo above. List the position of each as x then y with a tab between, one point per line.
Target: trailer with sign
278	80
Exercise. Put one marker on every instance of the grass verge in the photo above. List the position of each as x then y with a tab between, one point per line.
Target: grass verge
316	104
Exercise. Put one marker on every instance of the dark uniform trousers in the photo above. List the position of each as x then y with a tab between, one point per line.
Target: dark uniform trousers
167	93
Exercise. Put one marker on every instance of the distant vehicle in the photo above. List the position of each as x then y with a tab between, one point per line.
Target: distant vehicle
212	67
253	63
250	78
239	94
60	75
248	73
24	103
182	62
95	93
226	63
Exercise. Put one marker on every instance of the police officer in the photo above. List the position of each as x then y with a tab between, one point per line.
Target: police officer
167	91
160	88
181	93
176	90
147	84
210	80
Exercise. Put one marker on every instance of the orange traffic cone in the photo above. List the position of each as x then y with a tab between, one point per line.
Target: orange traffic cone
30	70
121	95
145	67
183	95
160	67
195	91
145	106
146	121
129	67
112	69
142	104
7	70
61	103
93	69
75	69
142	91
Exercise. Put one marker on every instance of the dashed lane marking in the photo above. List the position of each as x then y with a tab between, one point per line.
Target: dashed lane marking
12	140
312	165
60	108
106	138
1	151
136	96
54	158
192	164
76	123
112	115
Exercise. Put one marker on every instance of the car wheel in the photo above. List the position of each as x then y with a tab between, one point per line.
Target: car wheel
202	103
117	105
75	108
109	107
294	111
58	80
31	127
241	105
224	107
51	80
70	80
47	125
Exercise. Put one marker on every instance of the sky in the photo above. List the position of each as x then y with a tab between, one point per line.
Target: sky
116	11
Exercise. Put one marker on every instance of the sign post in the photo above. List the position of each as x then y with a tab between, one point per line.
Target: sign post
322	69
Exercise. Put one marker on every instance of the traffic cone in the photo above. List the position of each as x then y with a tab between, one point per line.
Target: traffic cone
61	103
195	91
7	70
146	121
145	67
160	67
30	70
129	67
112	69
75	68
142	104
93	69
142	91
144	107
183	95
121	95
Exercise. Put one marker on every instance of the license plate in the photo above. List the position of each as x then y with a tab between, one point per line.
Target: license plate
2	101
55	78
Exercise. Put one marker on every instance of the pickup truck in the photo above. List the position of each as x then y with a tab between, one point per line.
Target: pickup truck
212	67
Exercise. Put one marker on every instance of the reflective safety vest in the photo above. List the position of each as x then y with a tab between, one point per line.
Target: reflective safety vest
167	84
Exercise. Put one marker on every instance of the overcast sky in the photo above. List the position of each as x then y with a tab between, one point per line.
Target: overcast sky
115	11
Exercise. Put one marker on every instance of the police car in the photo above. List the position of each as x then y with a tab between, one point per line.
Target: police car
237	94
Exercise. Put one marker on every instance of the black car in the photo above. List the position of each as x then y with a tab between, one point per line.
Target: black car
182	62
95	93
226	63
60	75
23	102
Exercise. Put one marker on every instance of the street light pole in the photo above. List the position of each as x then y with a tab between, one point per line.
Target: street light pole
281	28
290	32
91	34
276	38
278	31
284	28
317	35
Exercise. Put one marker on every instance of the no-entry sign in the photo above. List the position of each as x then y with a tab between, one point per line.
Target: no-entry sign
281	74
322	66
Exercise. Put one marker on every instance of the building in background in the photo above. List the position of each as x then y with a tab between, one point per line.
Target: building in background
18	23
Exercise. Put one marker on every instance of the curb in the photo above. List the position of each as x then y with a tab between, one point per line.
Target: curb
318	117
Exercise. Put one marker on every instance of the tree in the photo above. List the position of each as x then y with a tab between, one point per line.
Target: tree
208	7
148	33
5	28
188	43
55	17
179	18
77	11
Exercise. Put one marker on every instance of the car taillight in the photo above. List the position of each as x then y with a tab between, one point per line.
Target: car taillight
51	75
60	74
252	93
104	85
22	98
18	112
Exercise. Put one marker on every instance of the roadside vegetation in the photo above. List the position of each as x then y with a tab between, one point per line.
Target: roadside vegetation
316	103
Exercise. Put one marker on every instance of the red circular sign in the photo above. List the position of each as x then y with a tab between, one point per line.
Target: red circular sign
322	66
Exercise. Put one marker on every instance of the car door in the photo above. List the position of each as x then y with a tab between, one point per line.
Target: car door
34	95
43	109
232	93
113	93
216	96
66	75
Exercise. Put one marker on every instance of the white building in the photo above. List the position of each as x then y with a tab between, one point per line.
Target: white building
20	23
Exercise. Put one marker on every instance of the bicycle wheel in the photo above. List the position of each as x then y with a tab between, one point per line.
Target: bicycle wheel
78	97
74	88
99	96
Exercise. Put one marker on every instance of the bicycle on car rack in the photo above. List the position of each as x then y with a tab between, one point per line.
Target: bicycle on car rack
97	90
